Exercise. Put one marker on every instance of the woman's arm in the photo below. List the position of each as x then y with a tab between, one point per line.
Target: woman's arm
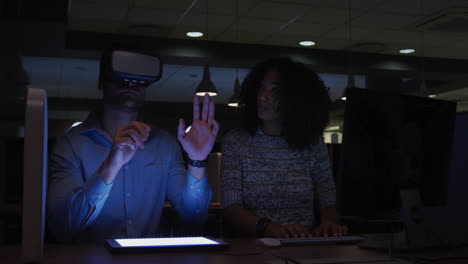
325	193
241	219
246	222
329	224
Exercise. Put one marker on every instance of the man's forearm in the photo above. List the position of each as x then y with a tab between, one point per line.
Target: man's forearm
108	171
197	173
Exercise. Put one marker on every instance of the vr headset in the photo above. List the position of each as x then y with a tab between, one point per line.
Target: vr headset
128	66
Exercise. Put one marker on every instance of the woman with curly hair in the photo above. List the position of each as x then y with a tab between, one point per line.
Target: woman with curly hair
275	171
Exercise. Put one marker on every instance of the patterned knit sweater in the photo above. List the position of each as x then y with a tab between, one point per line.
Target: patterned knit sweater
263	175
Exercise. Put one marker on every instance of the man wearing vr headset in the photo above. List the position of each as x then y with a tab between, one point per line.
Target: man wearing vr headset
110	176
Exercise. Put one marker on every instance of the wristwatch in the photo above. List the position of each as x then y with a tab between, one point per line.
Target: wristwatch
261	226
198	163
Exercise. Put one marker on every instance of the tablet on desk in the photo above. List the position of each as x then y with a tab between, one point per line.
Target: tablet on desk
162	244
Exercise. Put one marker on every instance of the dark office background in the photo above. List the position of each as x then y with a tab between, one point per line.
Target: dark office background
59	44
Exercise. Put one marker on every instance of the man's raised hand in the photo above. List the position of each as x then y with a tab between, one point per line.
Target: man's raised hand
199	141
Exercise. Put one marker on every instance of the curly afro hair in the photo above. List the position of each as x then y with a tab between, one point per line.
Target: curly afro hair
304	101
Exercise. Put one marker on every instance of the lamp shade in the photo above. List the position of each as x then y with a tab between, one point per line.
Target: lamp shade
351	81
234	100
206	85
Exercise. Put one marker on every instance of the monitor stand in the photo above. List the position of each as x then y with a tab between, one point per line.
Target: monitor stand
416	233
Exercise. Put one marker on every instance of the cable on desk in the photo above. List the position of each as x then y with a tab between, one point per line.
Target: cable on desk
245	253
444	258
424	260
286	259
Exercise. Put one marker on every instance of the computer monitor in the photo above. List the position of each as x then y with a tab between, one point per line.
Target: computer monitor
214	172
35	175
393	142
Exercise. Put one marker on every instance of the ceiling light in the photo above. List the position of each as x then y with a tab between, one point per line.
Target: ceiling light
206	85
332	128
343	98
351	81
307	43
407	51
76	124
233	101
194	34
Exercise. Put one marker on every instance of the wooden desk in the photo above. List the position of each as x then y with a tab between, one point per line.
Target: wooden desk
98	253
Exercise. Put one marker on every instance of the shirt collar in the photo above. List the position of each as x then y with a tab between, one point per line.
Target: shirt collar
92	121
93	130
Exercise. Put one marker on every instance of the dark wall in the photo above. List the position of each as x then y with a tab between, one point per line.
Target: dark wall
453	217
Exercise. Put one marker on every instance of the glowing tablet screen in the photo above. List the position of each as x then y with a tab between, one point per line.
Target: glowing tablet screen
165	242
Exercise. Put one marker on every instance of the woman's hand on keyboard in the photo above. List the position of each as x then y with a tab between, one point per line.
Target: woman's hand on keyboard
286	231
330	229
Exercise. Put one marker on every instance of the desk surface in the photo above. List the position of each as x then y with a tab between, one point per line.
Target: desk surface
243	250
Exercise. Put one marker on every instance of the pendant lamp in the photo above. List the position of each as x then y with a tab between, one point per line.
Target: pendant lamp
206	85
234	100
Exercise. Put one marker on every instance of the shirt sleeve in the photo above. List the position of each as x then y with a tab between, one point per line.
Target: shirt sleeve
324	185
190	197
197	197
72	203
231	173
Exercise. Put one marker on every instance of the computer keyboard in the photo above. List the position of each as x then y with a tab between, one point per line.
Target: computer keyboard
320	240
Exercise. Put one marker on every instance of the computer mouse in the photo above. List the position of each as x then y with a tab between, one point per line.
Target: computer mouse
268	242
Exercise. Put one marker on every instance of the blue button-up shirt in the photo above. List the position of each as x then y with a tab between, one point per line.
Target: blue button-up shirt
81	207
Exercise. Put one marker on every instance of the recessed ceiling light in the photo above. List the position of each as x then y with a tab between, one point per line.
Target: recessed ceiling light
194	34
432	95
307	43
407	51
